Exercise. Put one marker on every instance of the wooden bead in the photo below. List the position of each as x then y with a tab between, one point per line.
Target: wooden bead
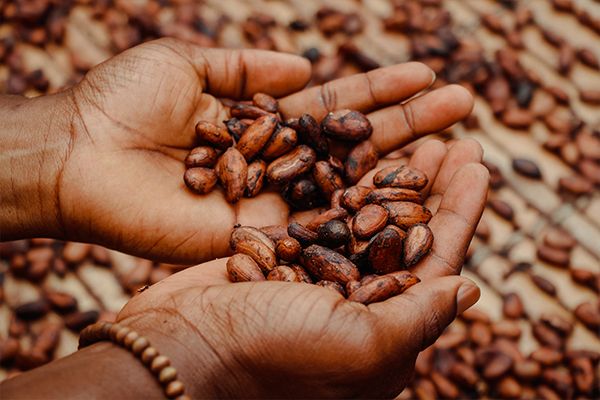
104	330
159	363
174	389
149	354
121	333
130	338
167	375
112	331
139	345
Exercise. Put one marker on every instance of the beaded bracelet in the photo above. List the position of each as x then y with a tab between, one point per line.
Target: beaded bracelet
140	346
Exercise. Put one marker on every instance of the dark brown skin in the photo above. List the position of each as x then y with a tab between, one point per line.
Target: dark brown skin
126	124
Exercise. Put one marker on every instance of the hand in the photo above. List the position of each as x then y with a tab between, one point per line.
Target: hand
118	180
275	339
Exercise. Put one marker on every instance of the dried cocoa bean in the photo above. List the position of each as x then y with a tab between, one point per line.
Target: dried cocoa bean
382	195
509	388
291	165
385	252
283	273
327	178
259	252
47	340
32	310
502	208
405	279
347	125
9	348
497	366
506	328
200	180
559	239
512	307
559	379
303	276
480	334
232	171
242	268
311	134
210	133
445	387
265	102
583	374
336	199
288	249
464	374
327	264
369	220
324	217
202	156
303	194
241	111
417	244
256	177
547	336
61	302
589	314
517	118
553	256
361	159
587	57
558	323
379	289
78	320
527	370
256	136
546	356
243	233
235	127
275	232
283	140
351	287
544	285
302	234
333	286
405	214
403	177
355	197
526	168
591	96
333	234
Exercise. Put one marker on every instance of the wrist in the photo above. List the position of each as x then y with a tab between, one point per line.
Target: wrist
35	142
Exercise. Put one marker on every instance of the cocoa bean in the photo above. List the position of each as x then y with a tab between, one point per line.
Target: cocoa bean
32	310
405	214
558	323
547	336
517	118
553	256
16	327
275	232
506	328
502	208
232	171
333	286
302	234
202	156
417	244
333	234
351	287
336	199
303	276
283	273
361	159
78	320
566	58
235	127
369	220
545	393
526	168
587	57
324	217
464	374
589	315
200	180
9	348
512	307
405	279
509	388
385	252
583	374
327	264
259	252
256	177
288	249
444	386
327	178
241	111
583	277
336	164
559	379
311	134
403	177
256	136
47	340
243	233
291	165
527	370
265	102
355	197
379	289
480	334
497	366
242	268
367	278
425	390
559	239
591	96
544	285
347	125
382	195
210	133
546	356
73	253
303	194
61	302
283	140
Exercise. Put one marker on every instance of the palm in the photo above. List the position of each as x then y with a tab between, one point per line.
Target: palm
137	116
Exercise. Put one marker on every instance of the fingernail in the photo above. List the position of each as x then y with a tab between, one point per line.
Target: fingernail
433	77
467	295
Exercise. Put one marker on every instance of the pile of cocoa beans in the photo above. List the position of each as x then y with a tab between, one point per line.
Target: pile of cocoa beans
360	247
255	144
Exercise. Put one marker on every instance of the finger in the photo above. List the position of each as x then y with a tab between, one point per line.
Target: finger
207	274
241	73
395	126
460	153
428	158
454	223
362	92
417	317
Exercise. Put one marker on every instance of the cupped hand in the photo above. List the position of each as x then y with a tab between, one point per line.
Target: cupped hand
276	339
121	183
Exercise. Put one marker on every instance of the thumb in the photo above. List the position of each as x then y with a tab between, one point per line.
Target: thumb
420	315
